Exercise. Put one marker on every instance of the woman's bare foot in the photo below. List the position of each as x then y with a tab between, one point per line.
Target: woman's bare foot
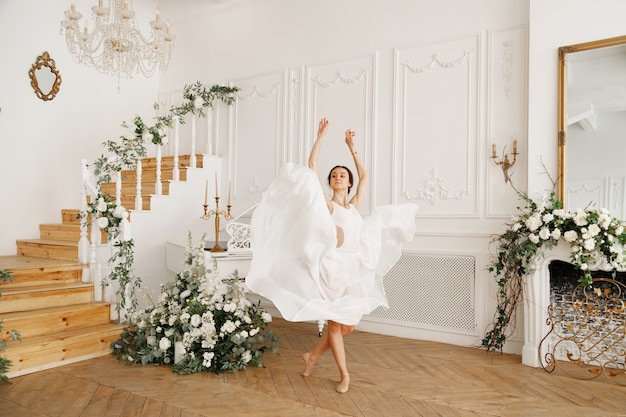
344	384
308	364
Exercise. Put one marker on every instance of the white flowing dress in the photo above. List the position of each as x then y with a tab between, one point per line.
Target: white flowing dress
296	262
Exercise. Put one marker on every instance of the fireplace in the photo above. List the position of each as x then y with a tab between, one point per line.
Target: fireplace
539	294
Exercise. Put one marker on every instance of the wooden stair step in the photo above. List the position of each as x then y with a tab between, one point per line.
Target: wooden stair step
70	216
168	161
53	249
49	351
43	296
65	232
27	271
129	202
149	174
54	319
130	188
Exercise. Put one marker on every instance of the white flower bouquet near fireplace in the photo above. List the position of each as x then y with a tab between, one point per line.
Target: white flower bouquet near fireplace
594	235
199	323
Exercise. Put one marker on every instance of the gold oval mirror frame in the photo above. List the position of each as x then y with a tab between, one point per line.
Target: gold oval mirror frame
44	77
564	52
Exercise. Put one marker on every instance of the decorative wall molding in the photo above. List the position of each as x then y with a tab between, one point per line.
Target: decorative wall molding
424	135
435	60
507	66
434	190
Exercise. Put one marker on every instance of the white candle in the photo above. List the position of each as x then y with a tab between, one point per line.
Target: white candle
229	192
206	193
217	194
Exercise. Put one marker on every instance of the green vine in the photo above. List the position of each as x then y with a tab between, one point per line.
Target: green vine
14	335
593	234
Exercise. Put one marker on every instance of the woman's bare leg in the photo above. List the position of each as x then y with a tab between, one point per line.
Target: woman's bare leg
336	331
322	346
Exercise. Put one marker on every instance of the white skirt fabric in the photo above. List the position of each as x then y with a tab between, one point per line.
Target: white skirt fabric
297	265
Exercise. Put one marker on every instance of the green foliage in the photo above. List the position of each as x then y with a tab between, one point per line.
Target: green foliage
5	364
218	328
593	234
198	97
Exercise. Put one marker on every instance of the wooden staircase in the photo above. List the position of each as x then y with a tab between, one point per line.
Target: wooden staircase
54	312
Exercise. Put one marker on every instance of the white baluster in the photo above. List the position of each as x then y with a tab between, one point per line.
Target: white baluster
118	189
176	171
83	243
209	117
192	158
217	139
96	274
138	201
158	186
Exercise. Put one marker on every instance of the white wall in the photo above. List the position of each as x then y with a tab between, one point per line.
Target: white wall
42	143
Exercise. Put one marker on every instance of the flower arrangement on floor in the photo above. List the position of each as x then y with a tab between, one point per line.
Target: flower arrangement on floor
594	237
199	323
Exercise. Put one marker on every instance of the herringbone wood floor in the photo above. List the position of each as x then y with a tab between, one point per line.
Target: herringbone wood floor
390	377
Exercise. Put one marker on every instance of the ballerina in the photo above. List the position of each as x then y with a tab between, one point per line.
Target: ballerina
316	258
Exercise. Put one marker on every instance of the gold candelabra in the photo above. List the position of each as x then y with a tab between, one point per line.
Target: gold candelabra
206	215
505	163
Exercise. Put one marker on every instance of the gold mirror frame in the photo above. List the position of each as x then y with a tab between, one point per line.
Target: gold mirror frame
44	60
564	51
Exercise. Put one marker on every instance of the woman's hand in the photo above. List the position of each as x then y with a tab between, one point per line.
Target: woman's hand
350	139
321	129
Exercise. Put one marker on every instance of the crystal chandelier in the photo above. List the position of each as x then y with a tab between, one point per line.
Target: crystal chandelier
114	45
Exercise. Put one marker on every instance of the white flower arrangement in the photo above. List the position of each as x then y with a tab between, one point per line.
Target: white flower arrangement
594	236
212	320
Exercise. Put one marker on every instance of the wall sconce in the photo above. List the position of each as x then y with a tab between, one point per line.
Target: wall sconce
504	162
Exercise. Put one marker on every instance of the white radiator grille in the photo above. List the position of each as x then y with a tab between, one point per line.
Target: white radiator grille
433	291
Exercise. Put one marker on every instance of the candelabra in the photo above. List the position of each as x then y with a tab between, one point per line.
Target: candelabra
504	162
206	215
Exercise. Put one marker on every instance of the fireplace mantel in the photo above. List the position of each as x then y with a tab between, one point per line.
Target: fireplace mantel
537	300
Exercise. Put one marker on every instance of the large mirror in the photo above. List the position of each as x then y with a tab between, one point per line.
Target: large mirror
44	77
592	125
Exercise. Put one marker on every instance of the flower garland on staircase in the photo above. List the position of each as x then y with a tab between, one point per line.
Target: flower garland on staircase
594	236
123	154
200	323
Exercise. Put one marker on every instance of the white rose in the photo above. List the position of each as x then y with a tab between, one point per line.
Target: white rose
246	357
547	218
196	320
533	238
593	230
266	317
228	327
119	212
560	213
570	236
580	218
590	244
254	331
556	234
516	227
103	222
584	267
102	206
533	222
619	230
164	343
544	233
198	102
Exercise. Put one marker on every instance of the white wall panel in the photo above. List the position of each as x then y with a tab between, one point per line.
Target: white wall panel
506	117
256	140
344	92
436	126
